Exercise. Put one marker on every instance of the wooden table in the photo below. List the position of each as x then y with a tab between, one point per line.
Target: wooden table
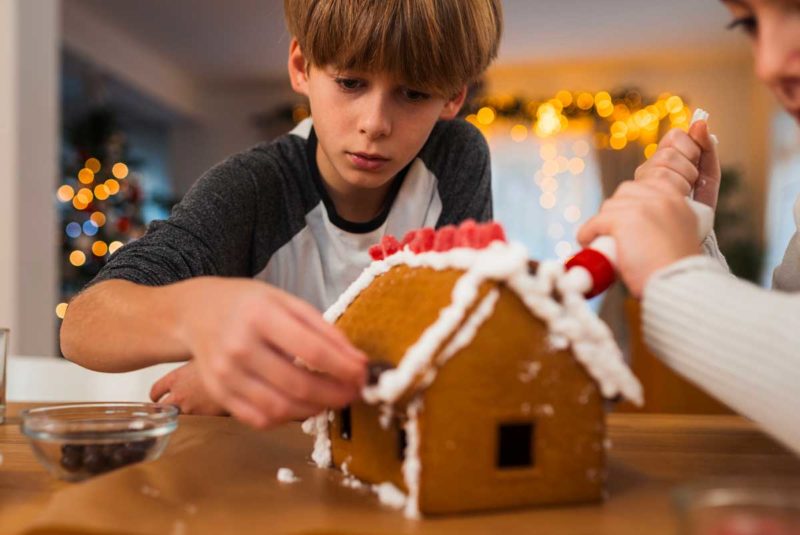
650	456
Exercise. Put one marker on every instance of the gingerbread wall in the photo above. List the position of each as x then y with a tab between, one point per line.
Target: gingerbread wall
509	376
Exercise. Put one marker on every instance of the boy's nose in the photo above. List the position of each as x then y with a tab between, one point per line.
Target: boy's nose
375	121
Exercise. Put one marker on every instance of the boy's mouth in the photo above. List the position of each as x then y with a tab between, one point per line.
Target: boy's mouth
367	161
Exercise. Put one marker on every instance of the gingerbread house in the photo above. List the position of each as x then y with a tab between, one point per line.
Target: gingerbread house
488	375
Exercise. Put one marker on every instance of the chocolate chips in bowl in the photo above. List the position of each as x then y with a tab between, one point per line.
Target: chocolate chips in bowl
75	442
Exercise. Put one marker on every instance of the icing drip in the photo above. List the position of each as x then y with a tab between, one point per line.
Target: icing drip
470	328
390	495
464	335
412	466
318	426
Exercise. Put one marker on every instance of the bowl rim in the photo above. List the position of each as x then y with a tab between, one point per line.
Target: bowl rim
42	423
781	492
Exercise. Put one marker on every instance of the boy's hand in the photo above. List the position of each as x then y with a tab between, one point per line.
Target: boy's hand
686	161
246	336
652	226
184	388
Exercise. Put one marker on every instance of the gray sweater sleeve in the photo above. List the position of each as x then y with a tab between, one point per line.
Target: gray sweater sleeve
208	233
463	168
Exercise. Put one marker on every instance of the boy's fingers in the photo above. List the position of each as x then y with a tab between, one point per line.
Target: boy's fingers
295	338
260	405
162	386
299	383
311	317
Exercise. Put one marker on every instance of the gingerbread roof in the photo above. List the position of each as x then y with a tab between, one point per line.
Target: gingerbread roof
483	253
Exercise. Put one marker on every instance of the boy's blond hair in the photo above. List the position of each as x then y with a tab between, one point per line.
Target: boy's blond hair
435	46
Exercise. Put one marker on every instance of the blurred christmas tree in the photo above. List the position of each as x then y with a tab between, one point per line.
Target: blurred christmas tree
734	227
100	199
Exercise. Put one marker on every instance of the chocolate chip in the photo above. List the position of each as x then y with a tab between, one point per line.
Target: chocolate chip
94	460
533	267
122	456
71	459
375	369
143	445
99	458
135	452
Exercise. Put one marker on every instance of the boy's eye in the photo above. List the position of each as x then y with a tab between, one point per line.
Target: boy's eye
749	25
349	84
415	96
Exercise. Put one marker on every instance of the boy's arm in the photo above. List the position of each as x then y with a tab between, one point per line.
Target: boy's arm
245	337
183	291
118	325
126	318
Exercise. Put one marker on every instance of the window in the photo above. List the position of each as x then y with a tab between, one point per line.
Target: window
515	445
544	190
345	425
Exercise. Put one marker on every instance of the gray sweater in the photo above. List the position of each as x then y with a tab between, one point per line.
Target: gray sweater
265	214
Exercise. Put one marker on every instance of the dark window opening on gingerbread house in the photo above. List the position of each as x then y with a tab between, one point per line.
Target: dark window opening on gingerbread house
402	442
515	445
345	425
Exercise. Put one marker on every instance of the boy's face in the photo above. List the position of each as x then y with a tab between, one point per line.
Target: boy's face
369	126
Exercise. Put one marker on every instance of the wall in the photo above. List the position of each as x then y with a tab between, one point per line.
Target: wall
227	127
28	171
8	168
723	85
39	135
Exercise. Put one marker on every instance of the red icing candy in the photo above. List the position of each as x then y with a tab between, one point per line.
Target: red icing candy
468	234
445	238
390	245
376	252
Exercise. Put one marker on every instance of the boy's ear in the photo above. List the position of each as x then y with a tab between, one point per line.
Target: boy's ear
453	106
297	68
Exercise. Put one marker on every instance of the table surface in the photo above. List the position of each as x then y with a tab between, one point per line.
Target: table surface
651	455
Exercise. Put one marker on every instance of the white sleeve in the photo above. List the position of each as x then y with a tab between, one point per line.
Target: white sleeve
711	249
737	341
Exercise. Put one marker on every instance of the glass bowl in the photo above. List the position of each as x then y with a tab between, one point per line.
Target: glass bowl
740	507
75	442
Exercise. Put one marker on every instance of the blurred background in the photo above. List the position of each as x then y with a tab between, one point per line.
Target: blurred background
111	110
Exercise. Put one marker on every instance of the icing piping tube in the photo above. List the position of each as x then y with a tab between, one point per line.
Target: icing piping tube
593	269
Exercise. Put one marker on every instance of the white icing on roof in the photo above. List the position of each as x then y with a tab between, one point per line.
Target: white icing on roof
570	322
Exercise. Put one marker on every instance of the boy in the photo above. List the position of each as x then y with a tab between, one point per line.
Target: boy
299	214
